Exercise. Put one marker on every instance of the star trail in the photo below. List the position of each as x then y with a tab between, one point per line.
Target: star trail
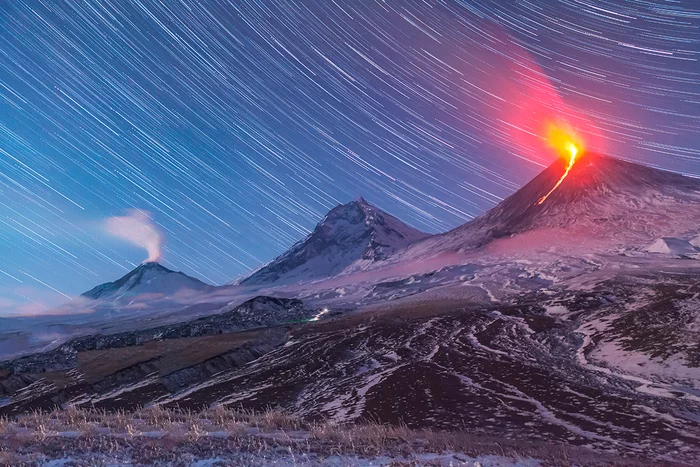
238	125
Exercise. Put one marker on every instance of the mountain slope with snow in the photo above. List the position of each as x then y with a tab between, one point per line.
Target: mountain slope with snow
604	199
150	278
351	236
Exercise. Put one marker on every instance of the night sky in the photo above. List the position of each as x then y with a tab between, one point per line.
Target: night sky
238	125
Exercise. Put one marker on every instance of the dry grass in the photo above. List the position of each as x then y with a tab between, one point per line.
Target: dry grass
172	354
158	430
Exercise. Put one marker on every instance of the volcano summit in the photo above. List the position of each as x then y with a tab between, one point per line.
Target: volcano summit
351	237
149	277
604	203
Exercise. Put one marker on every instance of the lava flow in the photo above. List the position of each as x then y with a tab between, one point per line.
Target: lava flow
564	142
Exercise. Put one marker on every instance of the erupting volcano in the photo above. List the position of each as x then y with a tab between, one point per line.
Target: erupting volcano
590	198
564	141
573	150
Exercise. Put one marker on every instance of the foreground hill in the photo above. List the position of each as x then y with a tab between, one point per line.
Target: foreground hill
530	371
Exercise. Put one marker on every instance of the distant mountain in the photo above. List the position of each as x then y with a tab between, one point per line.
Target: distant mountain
147	278
351	237
601	198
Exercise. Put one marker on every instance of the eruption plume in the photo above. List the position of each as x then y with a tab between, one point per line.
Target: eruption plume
533	120
565	142
138	228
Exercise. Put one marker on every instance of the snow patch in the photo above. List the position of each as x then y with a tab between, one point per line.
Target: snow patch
672	246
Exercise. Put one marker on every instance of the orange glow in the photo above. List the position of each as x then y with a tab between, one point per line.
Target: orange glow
567	143
531	120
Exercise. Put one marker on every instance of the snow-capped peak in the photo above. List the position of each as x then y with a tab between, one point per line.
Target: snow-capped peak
350	237
149	277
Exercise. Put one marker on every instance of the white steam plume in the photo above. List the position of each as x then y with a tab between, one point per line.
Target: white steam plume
138	228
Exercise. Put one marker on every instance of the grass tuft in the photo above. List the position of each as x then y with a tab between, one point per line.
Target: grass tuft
164	435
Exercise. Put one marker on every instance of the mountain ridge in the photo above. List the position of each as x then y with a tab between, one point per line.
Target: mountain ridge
350	236
600	193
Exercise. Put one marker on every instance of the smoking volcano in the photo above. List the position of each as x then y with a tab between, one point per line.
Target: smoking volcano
151	278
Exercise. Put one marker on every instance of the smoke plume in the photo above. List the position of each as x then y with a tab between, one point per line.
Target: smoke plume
138	228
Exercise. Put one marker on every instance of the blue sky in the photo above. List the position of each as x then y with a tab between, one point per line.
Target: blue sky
237	125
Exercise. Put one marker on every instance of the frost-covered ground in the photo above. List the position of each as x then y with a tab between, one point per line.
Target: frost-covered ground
221	437
597	350
275	457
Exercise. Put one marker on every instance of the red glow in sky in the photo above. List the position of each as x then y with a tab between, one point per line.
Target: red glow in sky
539	123
568	144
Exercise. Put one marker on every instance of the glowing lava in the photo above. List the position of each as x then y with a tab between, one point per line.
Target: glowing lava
564	142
